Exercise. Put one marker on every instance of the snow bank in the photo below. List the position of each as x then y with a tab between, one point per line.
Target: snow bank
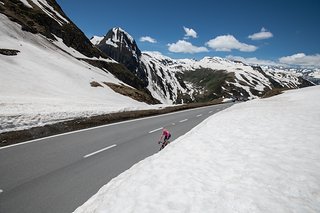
257	156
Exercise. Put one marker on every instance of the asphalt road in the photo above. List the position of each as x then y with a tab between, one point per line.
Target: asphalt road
59	173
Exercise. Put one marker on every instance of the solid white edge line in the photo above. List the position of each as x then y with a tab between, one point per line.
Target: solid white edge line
97	127
152	131
101	150
183	120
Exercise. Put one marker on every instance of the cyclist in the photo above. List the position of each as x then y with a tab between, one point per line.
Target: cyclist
167	135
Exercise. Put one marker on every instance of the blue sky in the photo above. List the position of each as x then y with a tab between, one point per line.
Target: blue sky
278	31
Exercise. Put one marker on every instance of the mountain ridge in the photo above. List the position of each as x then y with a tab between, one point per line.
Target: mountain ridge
170	81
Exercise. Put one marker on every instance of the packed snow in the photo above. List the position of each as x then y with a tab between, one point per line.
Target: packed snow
257	156
47	83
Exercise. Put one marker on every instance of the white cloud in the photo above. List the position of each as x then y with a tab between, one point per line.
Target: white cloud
190	32
301	59
229	42
182	46
263	34
148	39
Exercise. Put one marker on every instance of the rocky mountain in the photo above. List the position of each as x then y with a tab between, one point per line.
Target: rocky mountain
310	74
176	81
119	45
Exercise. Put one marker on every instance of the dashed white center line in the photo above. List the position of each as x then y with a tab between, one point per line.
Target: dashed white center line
101	150
183	120
210	112
199	115
155	130
1	191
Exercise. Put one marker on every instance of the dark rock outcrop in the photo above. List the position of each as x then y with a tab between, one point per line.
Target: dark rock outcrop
120	46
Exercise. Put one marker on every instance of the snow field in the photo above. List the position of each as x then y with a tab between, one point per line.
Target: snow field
257	156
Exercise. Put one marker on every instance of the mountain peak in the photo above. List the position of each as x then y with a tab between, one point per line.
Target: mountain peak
119	35
120	46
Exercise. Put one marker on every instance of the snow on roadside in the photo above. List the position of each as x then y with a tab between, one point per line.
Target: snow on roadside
257	156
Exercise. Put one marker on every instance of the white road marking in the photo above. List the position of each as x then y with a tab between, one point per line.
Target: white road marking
210	112
199	115
1	190
156	130
183	120
173	124
101	150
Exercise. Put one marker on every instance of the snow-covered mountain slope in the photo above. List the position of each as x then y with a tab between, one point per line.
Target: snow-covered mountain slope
47	18
312	75
211	77
258	156
185	80
48	9
43	81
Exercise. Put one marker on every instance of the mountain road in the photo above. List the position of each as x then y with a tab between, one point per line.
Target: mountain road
59	173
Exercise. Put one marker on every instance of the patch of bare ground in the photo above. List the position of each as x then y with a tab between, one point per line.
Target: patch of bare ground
9	138
130	92
9	52
95	84
273	92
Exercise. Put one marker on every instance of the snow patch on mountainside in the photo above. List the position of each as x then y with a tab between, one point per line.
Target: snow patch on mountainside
258	156
26	3
118	31
50	11
160	66
96	39
43	84
59	43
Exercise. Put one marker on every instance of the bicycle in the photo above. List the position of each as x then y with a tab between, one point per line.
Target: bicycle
163	143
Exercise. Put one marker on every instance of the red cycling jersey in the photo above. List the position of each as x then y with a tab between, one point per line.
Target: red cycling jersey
165	132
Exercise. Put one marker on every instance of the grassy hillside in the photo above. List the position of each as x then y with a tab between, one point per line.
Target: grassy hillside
208	82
